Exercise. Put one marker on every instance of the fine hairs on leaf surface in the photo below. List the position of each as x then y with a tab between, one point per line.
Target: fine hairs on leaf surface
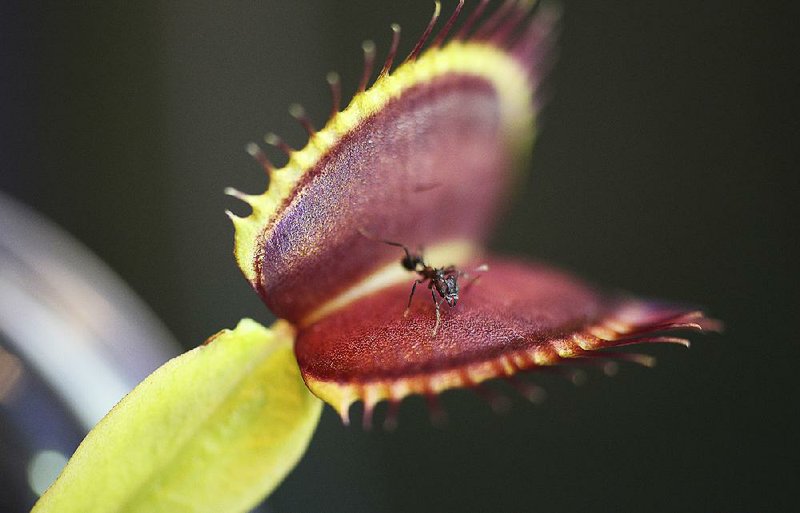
214	429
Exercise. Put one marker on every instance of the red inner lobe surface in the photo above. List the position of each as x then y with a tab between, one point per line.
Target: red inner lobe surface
430	166
512	306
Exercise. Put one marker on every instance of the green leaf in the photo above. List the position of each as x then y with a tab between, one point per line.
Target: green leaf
215	429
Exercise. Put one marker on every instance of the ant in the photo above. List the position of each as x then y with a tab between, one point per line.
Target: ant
441	280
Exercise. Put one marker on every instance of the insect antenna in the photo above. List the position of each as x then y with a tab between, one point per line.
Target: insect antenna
364	233
421	42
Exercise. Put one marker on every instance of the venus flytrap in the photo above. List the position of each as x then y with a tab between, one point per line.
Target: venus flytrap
426	155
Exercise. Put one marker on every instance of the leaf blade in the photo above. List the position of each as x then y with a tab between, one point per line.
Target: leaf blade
215	429
518	317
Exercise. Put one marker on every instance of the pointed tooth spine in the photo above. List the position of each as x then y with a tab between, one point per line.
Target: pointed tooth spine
299	113
259	156
247	198
426	34
387	65
335	84
442	35
368	47
277	141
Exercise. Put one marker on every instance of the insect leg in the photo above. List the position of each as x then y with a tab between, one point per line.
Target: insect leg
411	296
437	304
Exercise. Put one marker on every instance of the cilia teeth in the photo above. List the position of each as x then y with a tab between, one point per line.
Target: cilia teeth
247	198
258	154
277	141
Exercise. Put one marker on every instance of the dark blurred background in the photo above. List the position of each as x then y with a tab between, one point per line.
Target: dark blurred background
665	167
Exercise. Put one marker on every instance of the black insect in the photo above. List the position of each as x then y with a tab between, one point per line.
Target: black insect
441	280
